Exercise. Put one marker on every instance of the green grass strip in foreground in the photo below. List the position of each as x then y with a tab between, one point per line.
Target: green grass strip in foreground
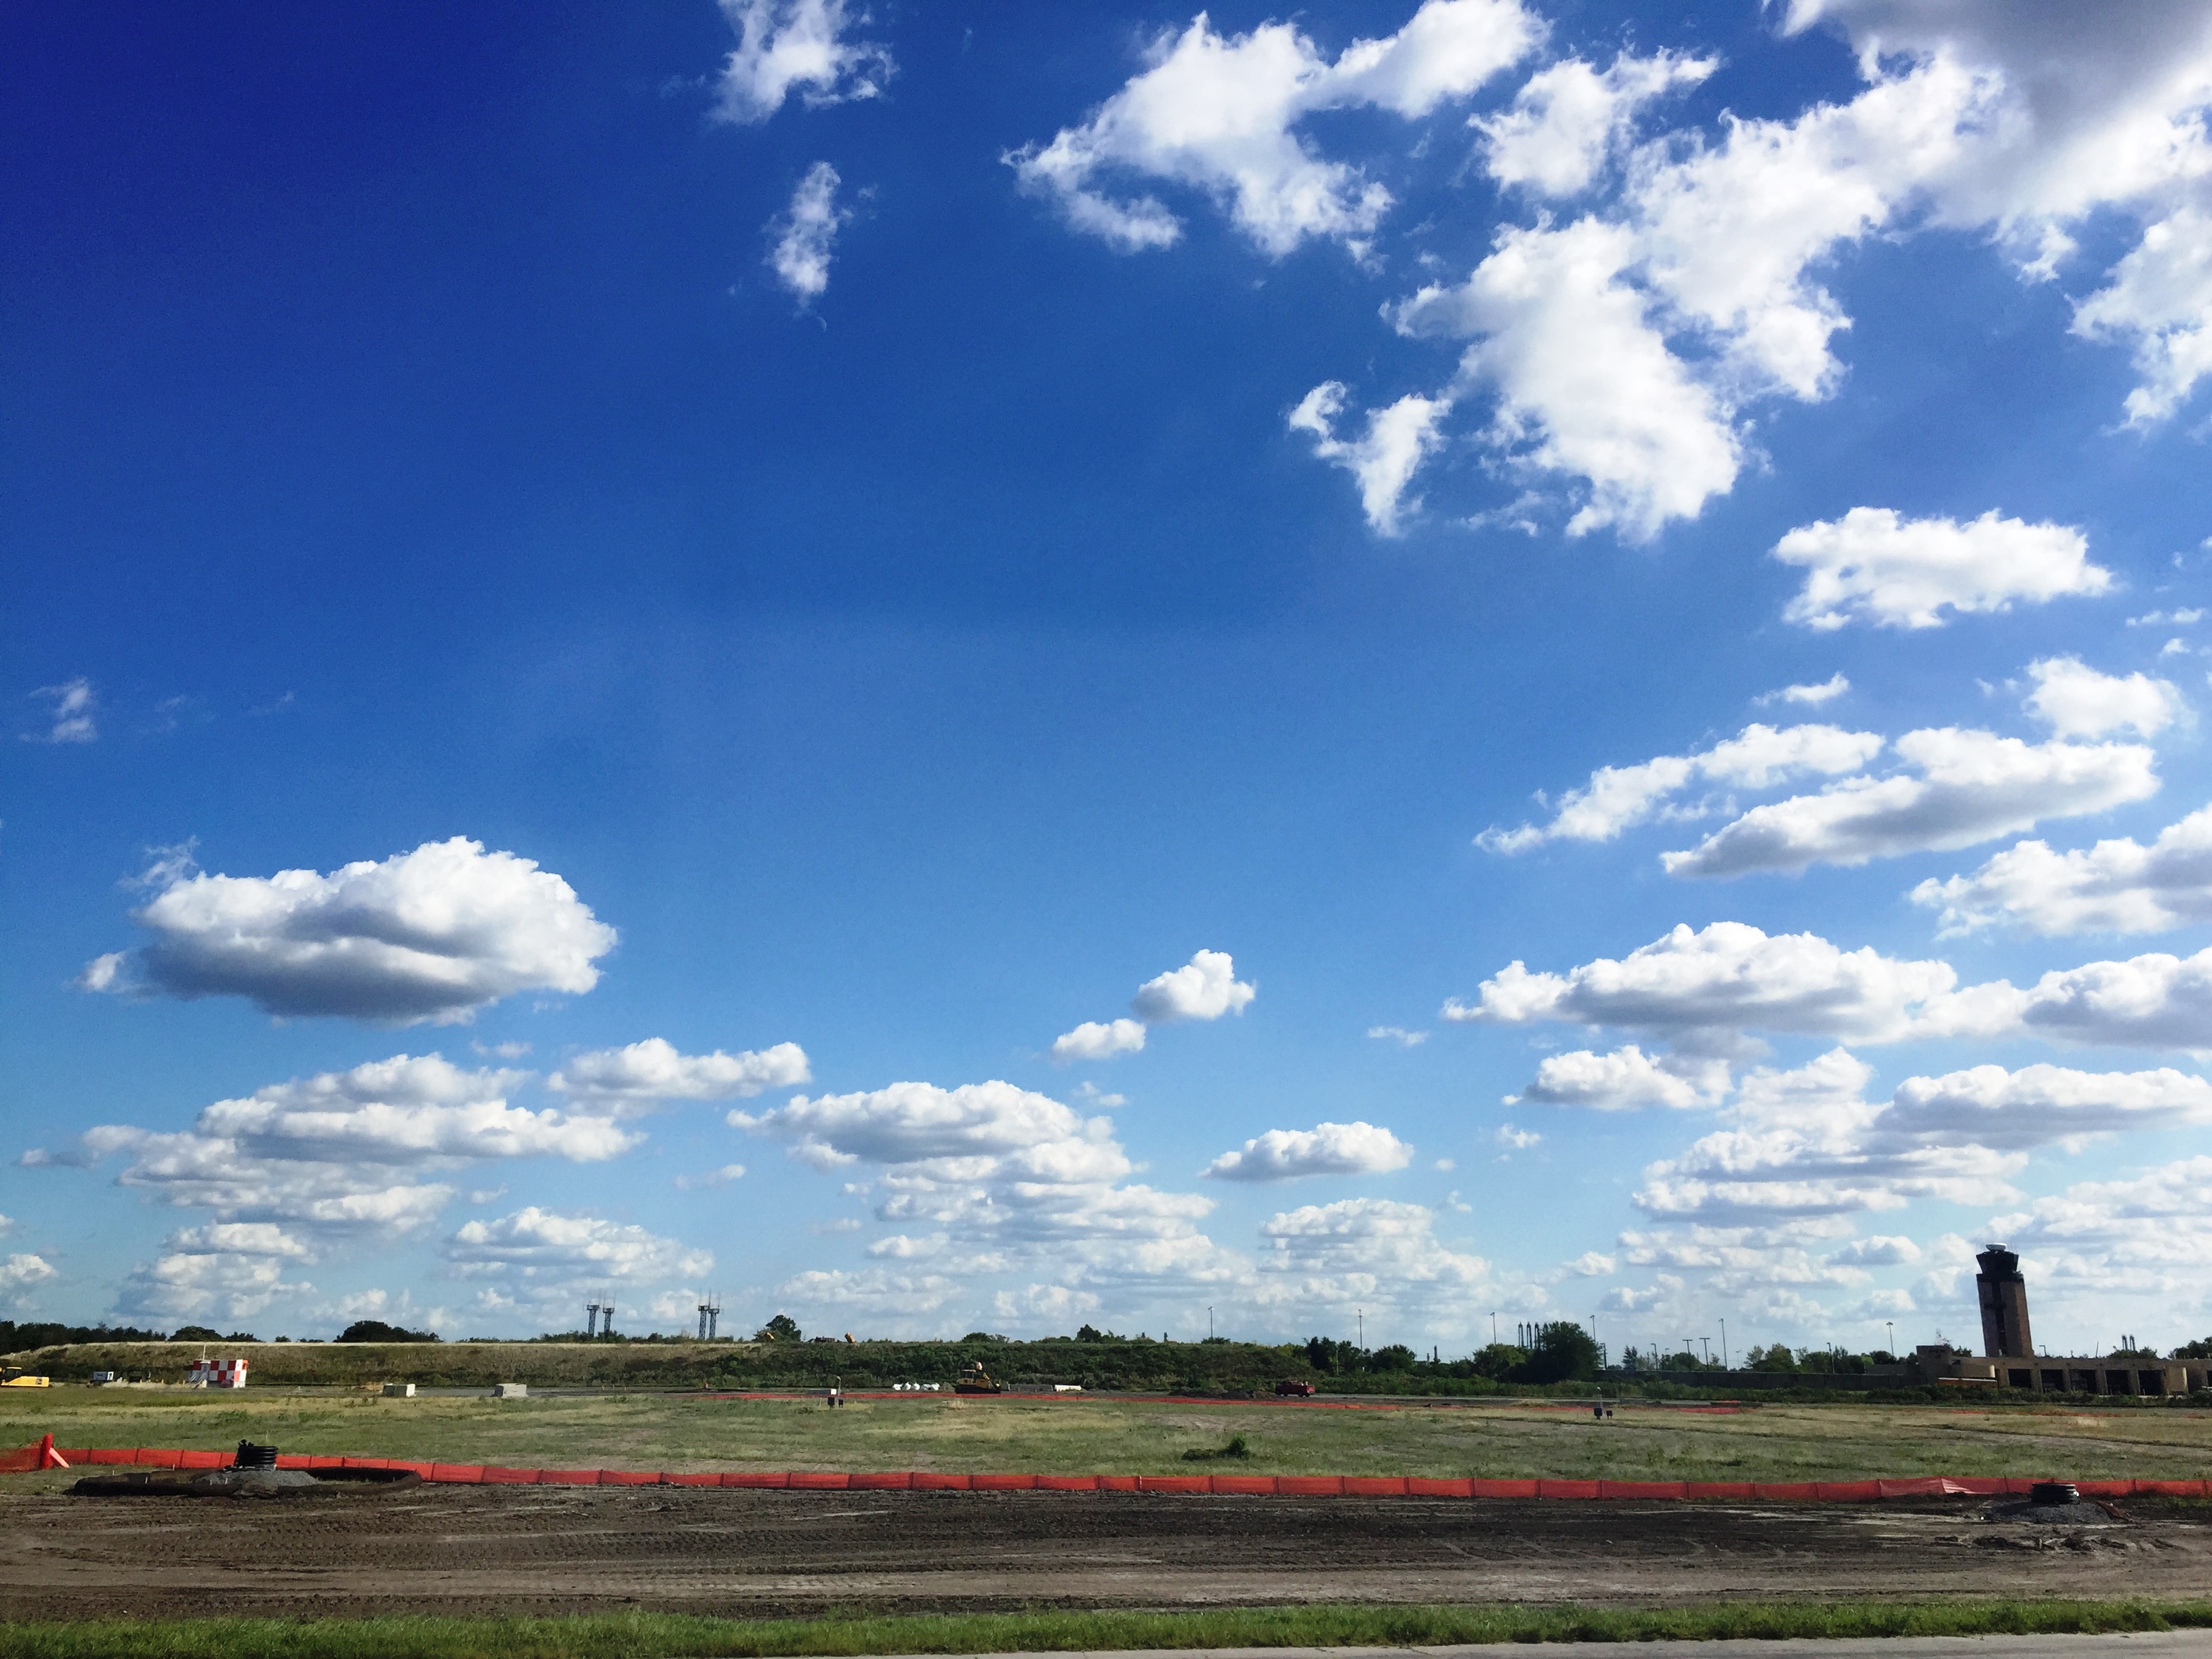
648	1636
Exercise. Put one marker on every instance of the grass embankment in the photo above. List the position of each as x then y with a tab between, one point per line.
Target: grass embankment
1087	1437
1239	1369
649	1635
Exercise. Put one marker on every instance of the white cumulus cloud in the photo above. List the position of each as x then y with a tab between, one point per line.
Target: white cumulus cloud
1618	797
2078	702
74	710
1383	458
1099	1040
1970	786
802	45
801	236
1566	120
653	1070
1219	114
431	935
1204	988
1355	1148
537	1247
1873	566
2117	886
1627	1078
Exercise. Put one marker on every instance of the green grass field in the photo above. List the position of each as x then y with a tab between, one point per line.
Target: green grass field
1082	1437
665	1635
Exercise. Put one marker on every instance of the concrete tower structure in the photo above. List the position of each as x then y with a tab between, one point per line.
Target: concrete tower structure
2003	1295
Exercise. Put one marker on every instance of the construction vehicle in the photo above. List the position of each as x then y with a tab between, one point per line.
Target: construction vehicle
1292	1388
14	1376
974	1379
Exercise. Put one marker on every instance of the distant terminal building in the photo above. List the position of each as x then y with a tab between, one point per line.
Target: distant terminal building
2009	1359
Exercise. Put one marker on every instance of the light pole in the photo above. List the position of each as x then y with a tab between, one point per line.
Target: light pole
1360	1313
1493	1328
1892	1324
1209	1322
1725	1354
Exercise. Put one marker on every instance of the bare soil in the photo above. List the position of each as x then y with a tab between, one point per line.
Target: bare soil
523	1550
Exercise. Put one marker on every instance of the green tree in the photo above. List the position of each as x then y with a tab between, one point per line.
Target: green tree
781	1328
1562	1352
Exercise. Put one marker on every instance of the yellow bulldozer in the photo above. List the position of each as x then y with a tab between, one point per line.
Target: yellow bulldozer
974	1379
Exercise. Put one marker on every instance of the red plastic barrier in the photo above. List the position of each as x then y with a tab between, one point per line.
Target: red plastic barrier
1309	1485
155	1457
1850	1491
1790	1491
1374	1485
630	1477
493	1475
2103	1488
564	1477
1566	1489
1987	1486
1716	1489
709	1479
200	1460
110	1454
883	1482
1416	1486
1642	1489
1502	1488
2173	1488
1117	1483
1068	1483
1002	1483
68	1455
820	1481
1178	1483
464	1474
755	1478
1243	1485
930	1480
21	1461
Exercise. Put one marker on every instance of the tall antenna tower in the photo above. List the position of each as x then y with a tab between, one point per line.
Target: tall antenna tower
607	1317
709	1311
592	1318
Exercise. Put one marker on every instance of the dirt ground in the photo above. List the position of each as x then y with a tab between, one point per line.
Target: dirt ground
466	1549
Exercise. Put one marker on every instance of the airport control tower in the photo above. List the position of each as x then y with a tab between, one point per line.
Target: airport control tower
2003	1295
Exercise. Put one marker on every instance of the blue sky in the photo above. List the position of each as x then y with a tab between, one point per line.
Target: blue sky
926	665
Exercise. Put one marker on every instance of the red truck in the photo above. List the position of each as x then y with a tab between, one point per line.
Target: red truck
1295	1390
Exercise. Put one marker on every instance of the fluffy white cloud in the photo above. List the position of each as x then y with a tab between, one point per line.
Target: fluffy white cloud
874	1290
1205	987
2149	1234
800	237
1617	798
1706	987
1827	690
1046	1305
1626	1079
1384	458
653	1070
803	46
1397	1034
22	1270
1218	113
75	713
540	1247
1873	566
1805	1143
1012	1178
340	1153
2151	1001
434	934
2117	886
1584	382
1566	120
2078	702
1370	1253
229	1270
717	1177
2160	297
1356	1148
2038	1105
1099	1040
1973	786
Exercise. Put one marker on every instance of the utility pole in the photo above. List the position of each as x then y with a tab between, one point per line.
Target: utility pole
1724	1353
1493	1328
1892	1324
1209	1322
1360	1313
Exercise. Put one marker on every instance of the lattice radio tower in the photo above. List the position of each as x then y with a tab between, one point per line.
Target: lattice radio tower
592	1318
710	1311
